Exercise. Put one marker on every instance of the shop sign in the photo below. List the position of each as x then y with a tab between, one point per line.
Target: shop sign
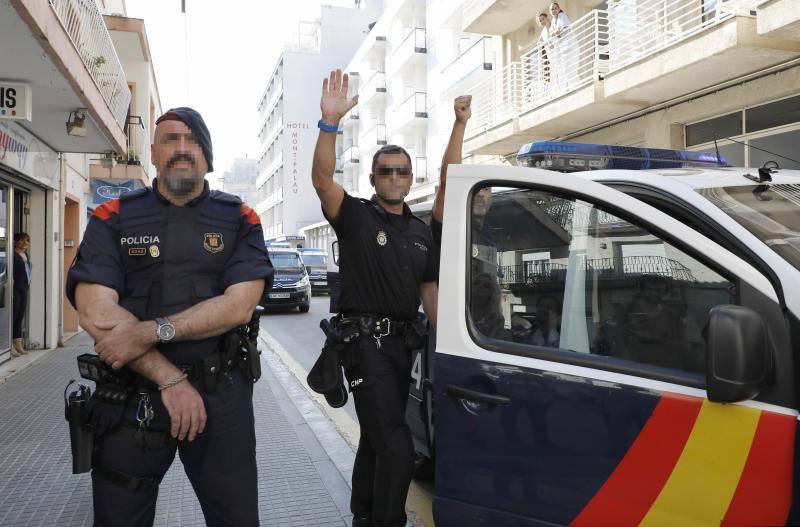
106	189
15	101
21	151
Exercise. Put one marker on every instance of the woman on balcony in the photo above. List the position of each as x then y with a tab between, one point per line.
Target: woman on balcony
545	45
565	50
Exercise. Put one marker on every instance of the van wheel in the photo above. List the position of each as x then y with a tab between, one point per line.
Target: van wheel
304	308
424	467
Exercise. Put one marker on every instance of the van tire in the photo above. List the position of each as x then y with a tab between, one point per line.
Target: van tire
424	467
304	308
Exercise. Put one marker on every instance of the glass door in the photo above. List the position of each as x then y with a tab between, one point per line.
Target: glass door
6	257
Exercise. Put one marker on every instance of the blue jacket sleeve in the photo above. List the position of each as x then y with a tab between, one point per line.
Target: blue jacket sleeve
98	260
250	259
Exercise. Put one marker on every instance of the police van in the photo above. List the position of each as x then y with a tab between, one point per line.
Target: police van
617	342
316	262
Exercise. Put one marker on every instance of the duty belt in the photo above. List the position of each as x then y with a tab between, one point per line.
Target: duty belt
377	327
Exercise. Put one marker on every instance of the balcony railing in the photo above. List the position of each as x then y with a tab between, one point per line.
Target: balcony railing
413	43
421	170
537	272
83	22
351	156
478	57
642	28
496	99
564	64
375	137
137	141
375	84
413	107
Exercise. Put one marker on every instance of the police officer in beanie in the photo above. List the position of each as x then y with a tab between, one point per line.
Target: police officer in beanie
162	279
387	265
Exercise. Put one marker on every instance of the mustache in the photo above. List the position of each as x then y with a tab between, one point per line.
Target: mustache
181	157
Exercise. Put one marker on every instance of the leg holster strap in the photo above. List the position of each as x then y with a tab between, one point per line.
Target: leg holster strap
132	483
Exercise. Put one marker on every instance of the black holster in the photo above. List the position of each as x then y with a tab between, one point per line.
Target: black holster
416	333
81	438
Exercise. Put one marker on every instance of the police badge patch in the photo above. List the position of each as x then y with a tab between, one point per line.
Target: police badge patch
154	251
212	242
381	238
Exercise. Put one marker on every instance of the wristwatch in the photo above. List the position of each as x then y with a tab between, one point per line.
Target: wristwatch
165	331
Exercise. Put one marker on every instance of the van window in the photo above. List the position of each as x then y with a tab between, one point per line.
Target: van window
554	272
285	260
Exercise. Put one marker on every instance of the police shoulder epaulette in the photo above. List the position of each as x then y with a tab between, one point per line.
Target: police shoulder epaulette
224	197
133	194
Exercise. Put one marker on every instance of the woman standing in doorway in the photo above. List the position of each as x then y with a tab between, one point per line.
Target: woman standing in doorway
22	280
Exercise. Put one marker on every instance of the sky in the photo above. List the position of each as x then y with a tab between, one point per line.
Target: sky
233	46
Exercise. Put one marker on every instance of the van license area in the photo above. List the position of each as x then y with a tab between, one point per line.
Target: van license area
279	295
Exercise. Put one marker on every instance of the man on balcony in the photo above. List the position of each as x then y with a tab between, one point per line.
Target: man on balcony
388	264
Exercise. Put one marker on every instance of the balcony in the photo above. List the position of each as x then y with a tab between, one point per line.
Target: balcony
350	119
662	49
374	91
779	19
470	67
411	114
499	17
63	50
410	55
375	50
351	157
420	170
137	142
515	106
372	139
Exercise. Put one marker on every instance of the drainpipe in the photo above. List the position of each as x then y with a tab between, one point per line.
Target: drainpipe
62	191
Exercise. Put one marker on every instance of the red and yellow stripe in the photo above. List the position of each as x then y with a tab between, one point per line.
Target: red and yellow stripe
700	463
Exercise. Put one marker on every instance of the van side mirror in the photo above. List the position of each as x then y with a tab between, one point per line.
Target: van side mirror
739	358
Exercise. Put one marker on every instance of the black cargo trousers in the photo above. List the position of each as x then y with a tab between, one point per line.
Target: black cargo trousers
220	462
384	464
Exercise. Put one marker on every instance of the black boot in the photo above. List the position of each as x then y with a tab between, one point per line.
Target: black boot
362	521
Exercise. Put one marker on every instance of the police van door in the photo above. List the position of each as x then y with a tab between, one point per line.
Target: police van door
571	376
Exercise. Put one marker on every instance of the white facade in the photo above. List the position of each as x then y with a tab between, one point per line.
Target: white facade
649	73
240	180
288	115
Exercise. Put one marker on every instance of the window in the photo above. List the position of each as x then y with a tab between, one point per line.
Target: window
561	273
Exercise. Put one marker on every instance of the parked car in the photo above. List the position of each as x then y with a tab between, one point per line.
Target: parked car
316	261
290	285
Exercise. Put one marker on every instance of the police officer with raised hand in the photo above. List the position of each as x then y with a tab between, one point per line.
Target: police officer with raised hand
163	278
387	265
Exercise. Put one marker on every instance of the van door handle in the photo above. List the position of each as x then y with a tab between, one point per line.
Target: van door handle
479	397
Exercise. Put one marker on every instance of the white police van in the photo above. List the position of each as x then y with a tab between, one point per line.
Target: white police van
617	342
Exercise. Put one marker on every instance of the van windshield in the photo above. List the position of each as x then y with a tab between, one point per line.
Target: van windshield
315	260
285	261
770	212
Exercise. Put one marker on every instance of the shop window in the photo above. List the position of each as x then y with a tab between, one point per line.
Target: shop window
778	113
717	128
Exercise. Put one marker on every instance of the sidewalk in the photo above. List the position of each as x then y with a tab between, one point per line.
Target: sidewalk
299	482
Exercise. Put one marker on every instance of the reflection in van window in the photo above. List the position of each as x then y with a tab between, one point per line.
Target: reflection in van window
285	260
560	273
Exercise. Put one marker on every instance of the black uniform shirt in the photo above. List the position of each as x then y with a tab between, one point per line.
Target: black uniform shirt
100	256
382	260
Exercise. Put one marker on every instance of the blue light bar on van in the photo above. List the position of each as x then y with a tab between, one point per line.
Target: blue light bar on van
576	157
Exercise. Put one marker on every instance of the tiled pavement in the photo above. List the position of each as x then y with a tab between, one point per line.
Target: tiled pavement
299	485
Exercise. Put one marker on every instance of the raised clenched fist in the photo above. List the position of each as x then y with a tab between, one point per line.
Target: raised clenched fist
334	103
463	109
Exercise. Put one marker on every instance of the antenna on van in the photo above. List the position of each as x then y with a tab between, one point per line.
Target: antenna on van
716	148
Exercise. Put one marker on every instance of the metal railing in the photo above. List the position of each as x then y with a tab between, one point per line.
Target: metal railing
641	28
374	137
351	155
542	271
560	65
478	57
420	170
414	106
83	22
416	38
136	141
375	84
496	99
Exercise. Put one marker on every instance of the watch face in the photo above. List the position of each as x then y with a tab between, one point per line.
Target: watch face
166	332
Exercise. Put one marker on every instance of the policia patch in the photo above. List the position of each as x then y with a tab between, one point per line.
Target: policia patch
212	242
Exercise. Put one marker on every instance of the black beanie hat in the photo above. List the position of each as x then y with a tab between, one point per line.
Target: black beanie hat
194	121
